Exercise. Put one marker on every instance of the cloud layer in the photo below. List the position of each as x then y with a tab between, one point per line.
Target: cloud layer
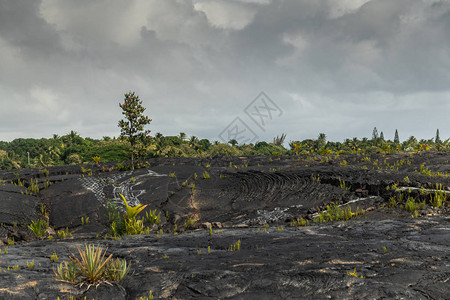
339	67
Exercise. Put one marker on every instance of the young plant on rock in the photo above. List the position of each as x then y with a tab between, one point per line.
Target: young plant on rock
54	257
343	184
67	271
412	206
132	211
235	247
63	233
30	264
33	187
150	297
336	213
132	224
152	217
439	197
190	223
354	274
38	228
96	159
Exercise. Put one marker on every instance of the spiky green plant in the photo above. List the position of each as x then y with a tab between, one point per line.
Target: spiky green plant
93	266
117	270
67	271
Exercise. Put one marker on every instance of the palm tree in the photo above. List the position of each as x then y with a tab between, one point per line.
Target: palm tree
158	136
233	142
193	141
321	141
279	140
182	136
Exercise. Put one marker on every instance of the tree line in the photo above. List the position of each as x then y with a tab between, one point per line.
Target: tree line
136	143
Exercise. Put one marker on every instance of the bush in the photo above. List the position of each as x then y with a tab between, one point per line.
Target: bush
6	163
112	152
263	148
224	150
74	159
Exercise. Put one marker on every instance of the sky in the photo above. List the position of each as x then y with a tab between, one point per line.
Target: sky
222	69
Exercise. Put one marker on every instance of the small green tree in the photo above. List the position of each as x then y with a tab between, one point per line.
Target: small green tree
437	140
374	134
182	136
233	142
193	141
396	138
132	127
321	141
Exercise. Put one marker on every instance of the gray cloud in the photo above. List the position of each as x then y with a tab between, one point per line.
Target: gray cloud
339	67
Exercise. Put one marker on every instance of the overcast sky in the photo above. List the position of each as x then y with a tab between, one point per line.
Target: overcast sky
340	67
